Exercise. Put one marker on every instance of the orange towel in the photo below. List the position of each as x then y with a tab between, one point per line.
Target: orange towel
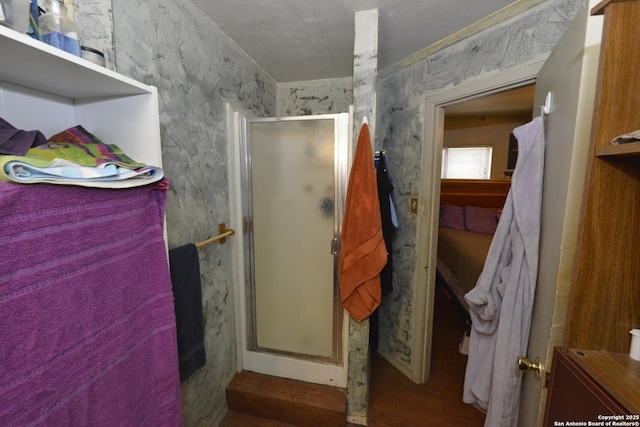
363	253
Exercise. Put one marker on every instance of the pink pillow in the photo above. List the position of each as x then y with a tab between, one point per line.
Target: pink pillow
452	216
480	220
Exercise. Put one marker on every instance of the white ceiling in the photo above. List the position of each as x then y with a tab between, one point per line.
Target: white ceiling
298	40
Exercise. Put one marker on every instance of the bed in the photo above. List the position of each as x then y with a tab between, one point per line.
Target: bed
469	213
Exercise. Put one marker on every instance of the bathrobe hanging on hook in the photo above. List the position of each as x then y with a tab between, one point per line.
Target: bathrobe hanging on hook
501	303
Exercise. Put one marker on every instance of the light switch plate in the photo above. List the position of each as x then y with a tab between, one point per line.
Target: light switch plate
414	205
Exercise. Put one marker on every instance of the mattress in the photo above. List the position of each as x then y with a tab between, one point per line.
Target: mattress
461	257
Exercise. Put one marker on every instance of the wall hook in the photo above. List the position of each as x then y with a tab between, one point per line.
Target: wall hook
546	108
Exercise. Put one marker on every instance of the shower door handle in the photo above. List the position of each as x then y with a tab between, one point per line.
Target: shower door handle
335	245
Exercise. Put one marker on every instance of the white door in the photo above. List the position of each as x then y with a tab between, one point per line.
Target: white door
290	179
569	75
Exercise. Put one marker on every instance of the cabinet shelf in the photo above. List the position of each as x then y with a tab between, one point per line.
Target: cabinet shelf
629	149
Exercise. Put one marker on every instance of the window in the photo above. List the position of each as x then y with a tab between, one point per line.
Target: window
466	162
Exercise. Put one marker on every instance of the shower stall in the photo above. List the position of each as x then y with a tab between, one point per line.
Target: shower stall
292	175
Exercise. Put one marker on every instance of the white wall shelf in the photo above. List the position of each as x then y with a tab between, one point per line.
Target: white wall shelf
45	88
28	62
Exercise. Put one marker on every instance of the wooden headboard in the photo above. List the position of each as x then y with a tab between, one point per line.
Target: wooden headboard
485	193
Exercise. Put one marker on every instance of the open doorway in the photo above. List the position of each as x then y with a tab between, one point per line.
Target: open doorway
464	97
478	158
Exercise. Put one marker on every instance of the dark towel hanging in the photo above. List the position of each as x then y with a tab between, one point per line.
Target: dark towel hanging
185	280
385	189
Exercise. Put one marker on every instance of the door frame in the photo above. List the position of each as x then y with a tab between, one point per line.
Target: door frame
430	201
270	364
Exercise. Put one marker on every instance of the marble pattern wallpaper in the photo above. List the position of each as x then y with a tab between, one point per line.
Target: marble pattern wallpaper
95	25
527	38
327	96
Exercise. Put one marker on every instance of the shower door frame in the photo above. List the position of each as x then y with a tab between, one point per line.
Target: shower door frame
299	367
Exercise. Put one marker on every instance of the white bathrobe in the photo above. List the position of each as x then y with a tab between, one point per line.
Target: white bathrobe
501	303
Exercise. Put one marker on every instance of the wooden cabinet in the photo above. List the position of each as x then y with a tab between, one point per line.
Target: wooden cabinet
605	297
604	302
45	88
576	395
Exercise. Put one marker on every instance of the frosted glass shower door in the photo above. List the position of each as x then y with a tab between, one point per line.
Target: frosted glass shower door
296	178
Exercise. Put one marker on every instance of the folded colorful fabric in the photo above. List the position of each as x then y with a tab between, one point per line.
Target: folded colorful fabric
76	157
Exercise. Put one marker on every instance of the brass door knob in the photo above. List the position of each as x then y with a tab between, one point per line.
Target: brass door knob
525	365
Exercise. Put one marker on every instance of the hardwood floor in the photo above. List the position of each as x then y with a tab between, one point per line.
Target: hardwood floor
396	401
